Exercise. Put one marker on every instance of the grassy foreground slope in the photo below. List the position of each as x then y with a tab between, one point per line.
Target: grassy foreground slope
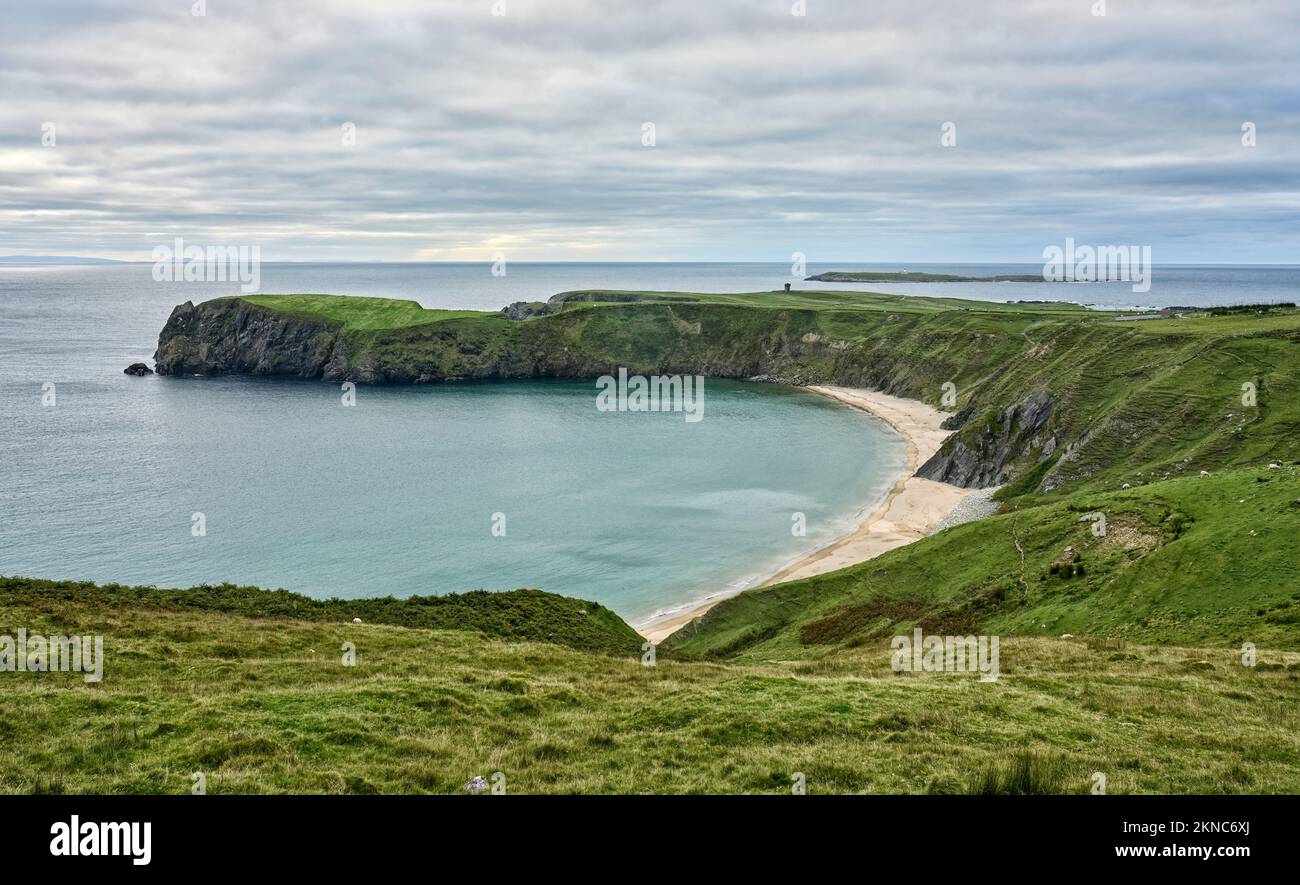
1207	561
516	615
265	704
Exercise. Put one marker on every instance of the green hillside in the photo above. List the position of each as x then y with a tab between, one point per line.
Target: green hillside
517	614
1048	397
264	704
1207	561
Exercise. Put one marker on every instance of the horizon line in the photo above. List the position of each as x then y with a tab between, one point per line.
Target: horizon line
72	259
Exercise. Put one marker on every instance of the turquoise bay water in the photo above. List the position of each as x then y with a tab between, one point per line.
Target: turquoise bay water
396	495
642	512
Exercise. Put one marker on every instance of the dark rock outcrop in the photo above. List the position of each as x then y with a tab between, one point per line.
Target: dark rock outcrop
522	310
139	370
993	442
983	452
232	336
957	420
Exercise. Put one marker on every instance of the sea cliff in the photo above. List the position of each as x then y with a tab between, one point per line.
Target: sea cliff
1041	396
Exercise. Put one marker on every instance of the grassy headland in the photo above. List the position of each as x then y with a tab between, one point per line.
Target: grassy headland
358	314
1046	396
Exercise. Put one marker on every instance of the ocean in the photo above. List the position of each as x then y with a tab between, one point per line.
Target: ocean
645	513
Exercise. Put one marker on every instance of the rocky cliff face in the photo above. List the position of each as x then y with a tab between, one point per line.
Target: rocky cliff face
985	451
230	336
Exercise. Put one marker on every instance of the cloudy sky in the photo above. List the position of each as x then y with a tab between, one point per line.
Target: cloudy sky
522	133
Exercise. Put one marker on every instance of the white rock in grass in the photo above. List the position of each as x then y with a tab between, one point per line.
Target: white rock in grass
475	785
356	620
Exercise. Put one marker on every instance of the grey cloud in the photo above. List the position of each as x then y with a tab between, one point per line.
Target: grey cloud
774	133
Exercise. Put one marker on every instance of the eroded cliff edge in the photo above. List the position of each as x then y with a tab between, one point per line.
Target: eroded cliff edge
231	336
1039	401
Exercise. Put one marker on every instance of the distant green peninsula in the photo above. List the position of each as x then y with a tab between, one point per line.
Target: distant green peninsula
1044	397
845	276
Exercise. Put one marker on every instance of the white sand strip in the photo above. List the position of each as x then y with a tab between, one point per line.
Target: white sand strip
913	508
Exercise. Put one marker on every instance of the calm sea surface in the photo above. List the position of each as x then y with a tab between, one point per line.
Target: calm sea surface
642	512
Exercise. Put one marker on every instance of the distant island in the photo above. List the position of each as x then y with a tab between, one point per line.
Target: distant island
871	276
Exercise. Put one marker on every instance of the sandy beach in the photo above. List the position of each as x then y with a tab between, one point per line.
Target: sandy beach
913	508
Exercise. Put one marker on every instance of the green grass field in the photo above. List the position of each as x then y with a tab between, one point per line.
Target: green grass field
266	705
1204	561
357	314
